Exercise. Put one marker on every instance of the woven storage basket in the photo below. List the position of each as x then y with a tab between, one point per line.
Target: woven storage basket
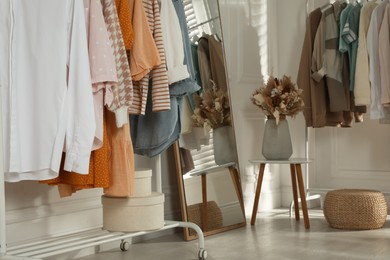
214	215
355	209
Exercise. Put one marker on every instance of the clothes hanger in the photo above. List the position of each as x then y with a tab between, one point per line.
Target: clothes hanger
326	7
195	39
216	37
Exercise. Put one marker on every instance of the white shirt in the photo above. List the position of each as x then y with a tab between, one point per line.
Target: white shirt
173	43
46	90
376	109
384	57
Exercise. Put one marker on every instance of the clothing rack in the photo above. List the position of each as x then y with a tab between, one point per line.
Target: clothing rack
80	240
202	23
308	189
387	193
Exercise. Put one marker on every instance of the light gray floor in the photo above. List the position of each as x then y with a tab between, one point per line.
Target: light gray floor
275	236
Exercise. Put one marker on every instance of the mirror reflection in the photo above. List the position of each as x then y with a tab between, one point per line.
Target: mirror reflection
209	180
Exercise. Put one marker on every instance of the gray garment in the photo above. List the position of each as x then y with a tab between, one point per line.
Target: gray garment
350	34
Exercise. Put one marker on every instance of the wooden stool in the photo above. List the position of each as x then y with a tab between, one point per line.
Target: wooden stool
296	177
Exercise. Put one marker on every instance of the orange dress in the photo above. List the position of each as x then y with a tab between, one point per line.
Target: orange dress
123	9
97	177
121	159
111	167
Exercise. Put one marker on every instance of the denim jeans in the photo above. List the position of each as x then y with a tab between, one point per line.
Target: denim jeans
155	132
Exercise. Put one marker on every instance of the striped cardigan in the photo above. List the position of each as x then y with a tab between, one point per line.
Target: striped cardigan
158	75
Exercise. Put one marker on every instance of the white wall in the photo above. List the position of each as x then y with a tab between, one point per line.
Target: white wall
261	37
342	157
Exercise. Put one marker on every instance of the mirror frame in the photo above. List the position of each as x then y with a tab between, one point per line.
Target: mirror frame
233	170
234	173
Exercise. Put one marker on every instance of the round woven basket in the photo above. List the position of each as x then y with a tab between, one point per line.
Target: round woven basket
214	215
355	209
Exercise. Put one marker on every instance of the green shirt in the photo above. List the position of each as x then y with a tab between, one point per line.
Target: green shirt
350	34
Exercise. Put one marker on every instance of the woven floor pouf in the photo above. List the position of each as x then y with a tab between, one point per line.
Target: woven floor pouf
353	209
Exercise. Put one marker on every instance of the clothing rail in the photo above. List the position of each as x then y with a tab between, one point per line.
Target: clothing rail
308	8
203	23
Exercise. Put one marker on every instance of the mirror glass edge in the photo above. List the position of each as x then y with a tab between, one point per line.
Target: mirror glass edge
182	193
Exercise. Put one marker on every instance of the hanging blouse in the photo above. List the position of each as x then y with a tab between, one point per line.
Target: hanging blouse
47	95
144	54
350	34
159	77
123	92
101	60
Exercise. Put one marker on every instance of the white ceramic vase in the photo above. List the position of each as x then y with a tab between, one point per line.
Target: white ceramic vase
277	140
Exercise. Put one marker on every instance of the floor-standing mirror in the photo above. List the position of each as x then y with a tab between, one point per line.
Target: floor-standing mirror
210	193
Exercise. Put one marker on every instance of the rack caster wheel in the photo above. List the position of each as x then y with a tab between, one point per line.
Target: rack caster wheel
202	254
124	246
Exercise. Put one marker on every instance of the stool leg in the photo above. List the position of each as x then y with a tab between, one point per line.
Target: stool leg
295	191
204	203
237	186
257	195
303	195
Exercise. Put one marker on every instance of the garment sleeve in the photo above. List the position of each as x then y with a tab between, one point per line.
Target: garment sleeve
173	43
376	108
101	57
122	94
318	65
144	54
350	30
81	123
160	76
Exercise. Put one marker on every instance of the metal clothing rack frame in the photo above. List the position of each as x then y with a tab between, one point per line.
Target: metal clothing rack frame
315	196
81	240
84	239
308	196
